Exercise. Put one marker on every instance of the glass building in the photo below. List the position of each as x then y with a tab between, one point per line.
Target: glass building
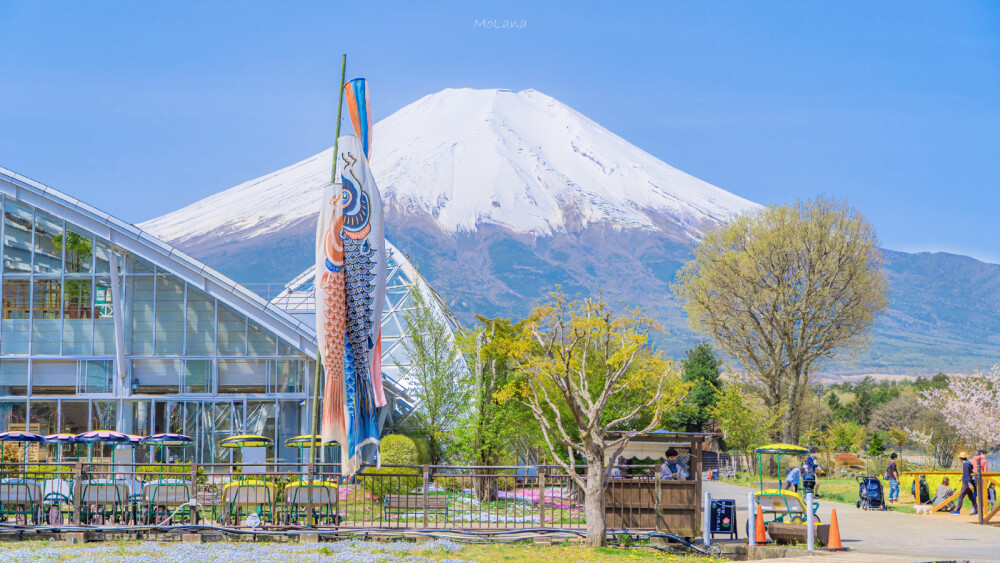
103	326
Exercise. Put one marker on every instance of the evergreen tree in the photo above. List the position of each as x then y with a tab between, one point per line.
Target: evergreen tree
701	369
876	446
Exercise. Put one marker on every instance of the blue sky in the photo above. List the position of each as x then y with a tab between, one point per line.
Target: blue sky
142	107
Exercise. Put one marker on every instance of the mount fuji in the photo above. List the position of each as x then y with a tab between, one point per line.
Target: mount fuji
500	197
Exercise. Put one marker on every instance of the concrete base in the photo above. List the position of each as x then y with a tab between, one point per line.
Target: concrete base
543	541
743	552
309	538
192	538
76	537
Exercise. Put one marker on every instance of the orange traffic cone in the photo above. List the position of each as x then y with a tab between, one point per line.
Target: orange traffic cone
834	543
759	533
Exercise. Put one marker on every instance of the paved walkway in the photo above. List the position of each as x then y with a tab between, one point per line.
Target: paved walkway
911	537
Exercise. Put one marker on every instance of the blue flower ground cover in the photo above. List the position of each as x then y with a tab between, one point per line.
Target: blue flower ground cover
224	552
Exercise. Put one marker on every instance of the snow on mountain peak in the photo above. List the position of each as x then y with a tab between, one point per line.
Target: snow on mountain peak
521	160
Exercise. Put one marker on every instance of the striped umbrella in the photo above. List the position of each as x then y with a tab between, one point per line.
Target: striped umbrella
168	439
61	440
165	440
19	437
246	441
105	436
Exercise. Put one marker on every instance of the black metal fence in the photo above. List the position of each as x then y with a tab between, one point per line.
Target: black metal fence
270	495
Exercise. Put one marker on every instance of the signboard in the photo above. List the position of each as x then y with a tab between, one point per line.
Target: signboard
722	517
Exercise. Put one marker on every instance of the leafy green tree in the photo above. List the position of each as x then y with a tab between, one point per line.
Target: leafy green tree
495	427
442	388
844	436
783	288
701	370
590	377
745	425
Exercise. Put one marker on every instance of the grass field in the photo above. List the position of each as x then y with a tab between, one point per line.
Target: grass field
840	490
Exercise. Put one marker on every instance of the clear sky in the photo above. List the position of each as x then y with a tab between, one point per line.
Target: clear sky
142	107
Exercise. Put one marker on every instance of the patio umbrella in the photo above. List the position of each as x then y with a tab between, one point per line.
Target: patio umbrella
303	442
19	437
105	436
61	439
165	440
779	450
247	441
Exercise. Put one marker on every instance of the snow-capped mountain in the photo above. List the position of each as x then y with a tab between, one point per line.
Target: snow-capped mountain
500	197
517	160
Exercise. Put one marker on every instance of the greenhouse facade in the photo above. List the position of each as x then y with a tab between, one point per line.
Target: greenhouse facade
103	326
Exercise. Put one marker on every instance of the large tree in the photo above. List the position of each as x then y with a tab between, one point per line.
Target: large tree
588	374
495	428
784	287
442	389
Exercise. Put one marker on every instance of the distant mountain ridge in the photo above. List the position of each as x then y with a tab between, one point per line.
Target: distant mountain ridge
499	197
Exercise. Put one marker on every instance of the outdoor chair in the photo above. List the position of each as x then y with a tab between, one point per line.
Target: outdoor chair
784	507
161	498
20	500
97	496
297	501
242	497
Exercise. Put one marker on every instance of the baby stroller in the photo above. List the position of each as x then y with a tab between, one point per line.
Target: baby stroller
870	493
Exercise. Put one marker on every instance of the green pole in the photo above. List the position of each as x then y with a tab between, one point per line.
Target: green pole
319	357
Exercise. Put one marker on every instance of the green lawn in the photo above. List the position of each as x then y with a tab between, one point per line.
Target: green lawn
843	490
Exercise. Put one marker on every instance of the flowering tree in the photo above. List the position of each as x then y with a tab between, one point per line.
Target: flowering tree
971	405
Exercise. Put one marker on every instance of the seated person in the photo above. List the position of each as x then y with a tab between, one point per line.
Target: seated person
944	492
671	468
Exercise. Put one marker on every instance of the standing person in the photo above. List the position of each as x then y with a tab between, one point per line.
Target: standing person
892	476
980	463
670	469
967	485
811	462
792	478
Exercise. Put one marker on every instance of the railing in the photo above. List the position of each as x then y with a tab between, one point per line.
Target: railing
277	495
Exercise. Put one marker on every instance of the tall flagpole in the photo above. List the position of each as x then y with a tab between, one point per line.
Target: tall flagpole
319	363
